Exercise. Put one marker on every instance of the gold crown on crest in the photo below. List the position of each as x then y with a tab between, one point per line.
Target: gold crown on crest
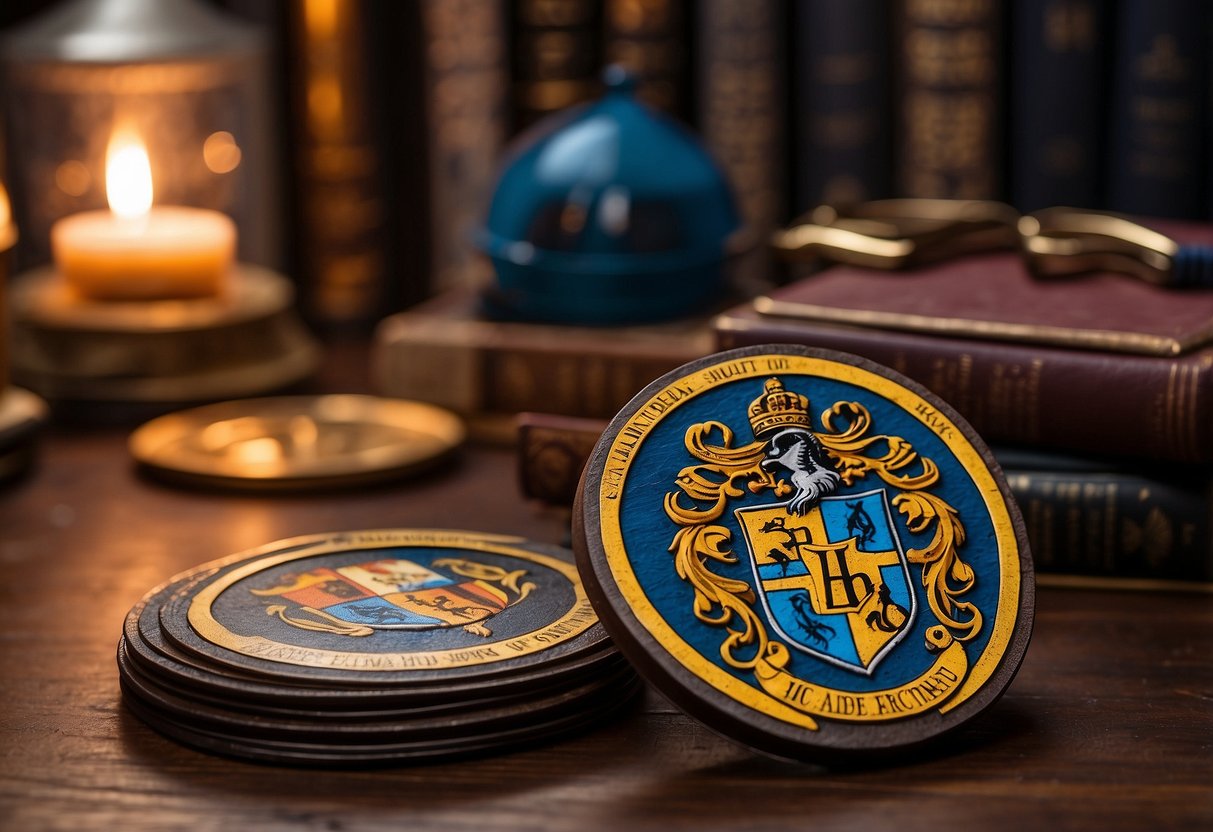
778	408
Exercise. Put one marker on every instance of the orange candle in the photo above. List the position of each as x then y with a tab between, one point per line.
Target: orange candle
138	252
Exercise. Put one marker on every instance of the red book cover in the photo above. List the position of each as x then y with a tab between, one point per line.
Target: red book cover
1101	363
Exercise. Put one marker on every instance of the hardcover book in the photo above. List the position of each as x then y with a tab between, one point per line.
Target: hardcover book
1058	68
842	116
1101	363
339	163
1160	106
447	353
556	56
950	65
466	82
740	85
651	39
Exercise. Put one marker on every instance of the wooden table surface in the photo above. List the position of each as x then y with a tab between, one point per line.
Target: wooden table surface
1109	724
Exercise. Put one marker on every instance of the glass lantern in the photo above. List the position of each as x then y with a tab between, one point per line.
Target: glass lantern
190	80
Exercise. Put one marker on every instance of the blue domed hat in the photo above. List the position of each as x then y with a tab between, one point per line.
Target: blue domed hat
609	213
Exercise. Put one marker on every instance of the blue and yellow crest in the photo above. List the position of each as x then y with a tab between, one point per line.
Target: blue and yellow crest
408	600
396	594
834	581
855	562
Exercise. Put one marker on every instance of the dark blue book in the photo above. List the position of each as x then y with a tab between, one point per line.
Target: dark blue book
950	69
1160	105
1060	57
842	127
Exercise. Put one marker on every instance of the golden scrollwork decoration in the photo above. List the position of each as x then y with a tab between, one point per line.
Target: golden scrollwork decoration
724	471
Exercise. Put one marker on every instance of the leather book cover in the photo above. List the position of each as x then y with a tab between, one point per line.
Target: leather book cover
652	39
1098	364
445	352
741	110
1158	125
841	118
555	56
1059	66
992	297
552	451
949	64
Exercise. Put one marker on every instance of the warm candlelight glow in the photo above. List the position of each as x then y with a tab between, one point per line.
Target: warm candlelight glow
137	252
128	175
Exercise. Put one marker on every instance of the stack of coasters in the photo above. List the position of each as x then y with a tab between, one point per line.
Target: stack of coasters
807	551
373	647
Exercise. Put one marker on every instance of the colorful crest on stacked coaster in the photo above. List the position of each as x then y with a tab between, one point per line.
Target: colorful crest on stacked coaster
372	647
809	552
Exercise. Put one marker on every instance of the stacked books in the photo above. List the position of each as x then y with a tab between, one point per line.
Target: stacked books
1106	382
448	353
1095	391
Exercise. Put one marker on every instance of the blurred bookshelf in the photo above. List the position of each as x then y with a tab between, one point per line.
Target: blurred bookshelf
393	117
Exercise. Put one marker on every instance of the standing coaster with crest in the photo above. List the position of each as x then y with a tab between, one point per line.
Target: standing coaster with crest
807	551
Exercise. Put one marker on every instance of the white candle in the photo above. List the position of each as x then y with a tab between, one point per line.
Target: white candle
138	252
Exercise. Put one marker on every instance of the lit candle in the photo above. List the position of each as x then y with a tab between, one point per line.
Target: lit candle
135	251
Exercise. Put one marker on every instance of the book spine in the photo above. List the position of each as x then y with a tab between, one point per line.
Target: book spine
1073	400
648	37
569	383
1112	524
842	119
552	451
556	56
339	172
488	375
1058	68
741	98
949	56
1116	525
1159	130
466	83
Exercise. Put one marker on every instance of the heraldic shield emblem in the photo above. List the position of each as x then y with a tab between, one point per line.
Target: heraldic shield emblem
381	601
396	594
807	550
835	581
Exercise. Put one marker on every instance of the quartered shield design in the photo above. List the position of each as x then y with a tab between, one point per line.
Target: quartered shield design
394	594
834	581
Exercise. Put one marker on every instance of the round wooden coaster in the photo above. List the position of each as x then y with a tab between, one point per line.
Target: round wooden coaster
340	755
184	677
475	720
807	551
389	609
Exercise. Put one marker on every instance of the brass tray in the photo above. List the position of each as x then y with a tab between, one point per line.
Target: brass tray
297	442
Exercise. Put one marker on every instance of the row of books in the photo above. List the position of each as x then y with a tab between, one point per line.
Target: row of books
1088	103
397	114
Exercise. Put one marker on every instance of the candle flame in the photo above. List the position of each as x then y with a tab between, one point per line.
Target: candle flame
128	175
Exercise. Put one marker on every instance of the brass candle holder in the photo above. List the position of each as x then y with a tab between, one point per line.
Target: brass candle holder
243	342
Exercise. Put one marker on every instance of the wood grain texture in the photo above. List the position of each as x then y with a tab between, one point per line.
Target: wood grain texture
1109	725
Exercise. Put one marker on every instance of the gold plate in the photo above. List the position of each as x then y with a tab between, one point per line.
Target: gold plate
297	442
